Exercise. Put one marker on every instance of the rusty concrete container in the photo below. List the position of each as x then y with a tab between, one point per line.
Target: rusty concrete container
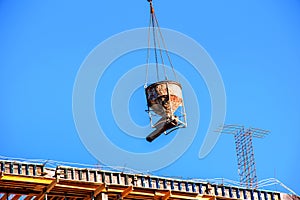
164	97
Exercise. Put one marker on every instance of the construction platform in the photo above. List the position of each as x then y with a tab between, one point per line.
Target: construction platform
28	181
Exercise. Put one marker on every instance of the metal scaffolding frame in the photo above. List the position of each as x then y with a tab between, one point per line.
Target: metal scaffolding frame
245	153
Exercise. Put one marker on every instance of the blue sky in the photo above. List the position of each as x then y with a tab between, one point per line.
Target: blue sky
255	45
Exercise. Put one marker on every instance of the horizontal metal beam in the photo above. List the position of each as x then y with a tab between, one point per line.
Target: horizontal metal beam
20	178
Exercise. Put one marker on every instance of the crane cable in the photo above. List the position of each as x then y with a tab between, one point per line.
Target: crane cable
154	29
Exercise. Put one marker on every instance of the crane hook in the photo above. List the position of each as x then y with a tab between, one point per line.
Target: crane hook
151	7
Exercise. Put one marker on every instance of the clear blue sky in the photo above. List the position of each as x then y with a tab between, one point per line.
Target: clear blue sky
255	45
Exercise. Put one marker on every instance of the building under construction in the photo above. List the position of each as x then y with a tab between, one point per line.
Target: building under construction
38	181
27	181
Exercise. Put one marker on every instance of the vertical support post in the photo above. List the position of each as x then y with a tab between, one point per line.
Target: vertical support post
165	183
79	174
65	173
245	194
72	174
259	195
179	185
172	184
272	196
2	166
126	179
157	183
252	194
143	181
187	189
27	169
193	187
11	168
103	177
216	190
223	190
110	178
200	188
230	192
266	195
150	182
20	168
238	193
34	170
118	178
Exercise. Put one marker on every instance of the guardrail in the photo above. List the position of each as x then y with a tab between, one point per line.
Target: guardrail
136	181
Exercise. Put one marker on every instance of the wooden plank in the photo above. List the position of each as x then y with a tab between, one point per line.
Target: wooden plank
127	191
16	197
1	175
29	197
50	198
5	196
99	189
47	189
145	193
87	198
167	195
52	185
157	193
75	187
206	197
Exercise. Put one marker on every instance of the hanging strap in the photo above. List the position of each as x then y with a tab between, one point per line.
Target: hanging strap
157	36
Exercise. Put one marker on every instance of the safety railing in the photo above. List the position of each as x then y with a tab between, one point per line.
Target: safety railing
136	180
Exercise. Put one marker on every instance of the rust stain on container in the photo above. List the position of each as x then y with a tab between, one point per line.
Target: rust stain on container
164	97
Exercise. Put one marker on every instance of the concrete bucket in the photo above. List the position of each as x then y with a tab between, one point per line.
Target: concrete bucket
164	97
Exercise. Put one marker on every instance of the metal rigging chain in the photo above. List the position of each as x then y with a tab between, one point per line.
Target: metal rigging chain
148	55
166	50
154	39
156	34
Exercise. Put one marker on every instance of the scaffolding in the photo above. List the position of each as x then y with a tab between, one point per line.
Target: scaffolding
244	150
